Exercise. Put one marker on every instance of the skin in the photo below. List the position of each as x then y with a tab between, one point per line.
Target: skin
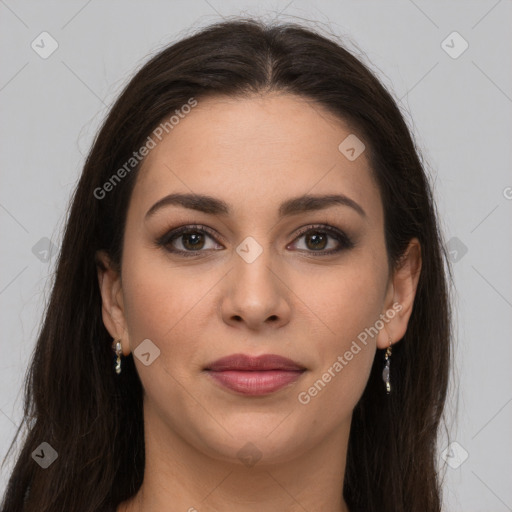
254	153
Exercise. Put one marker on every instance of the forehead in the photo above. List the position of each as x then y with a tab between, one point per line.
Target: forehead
256	151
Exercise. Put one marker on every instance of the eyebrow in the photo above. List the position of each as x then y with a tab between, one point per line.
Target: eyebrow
212	205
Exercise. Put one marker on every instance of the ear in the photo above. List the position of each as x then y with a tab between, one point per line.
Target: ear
400	296
112	308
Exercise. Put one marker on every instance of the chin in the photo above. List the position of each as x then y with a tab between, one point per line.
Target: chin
256	442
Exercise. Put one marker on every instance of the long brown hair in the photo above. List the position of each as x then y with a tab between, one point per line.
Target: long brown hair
93	418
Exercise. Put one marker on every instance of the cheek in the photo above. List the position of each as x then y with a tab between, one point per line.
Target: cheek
346	303
162	302
345	300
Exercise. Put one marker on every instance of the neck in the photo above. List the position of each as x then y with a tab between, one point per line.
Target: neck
182	477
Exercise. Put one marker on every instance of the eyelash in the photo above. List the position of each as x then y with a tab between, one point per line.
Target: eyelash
344	241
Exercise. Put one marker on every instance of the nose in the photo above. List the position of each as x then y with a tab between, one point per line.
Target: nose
256	294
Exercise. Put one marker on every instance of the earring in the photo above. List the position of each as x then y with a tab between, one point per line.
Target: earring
385	372
118	349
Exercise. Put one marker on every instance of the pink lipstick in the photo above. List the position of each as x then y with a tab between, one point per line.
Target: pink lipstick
255	376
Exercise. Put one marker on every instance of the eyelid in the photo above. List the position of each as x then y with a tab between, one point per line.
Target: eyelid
345	241
339	235
179	230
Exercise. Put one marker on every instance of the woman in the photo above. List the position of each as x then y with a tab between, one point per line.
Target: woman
250	306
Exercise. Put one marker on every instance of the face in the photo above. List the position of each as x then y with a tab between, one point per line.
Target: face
254	273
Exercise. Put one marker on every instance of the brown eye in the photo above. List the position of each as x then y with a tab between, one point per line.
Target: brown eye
316	240
192	241
188	239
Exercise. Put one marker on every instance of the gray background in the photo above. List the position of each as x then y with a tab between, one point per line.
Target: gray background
458	108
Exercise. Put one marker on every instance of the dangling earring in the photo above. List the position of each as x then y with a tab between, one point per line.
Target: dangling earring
118	349
385	372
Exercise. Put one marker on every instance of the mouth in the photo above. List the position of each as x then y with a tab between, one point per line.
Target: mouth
256	376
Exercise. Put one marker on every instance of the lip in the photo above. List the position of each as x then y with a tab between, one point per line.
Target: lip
255	376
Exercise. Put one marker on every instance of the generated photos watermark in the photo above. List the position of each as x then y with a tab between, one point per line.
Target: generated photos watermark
305	397
137	156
